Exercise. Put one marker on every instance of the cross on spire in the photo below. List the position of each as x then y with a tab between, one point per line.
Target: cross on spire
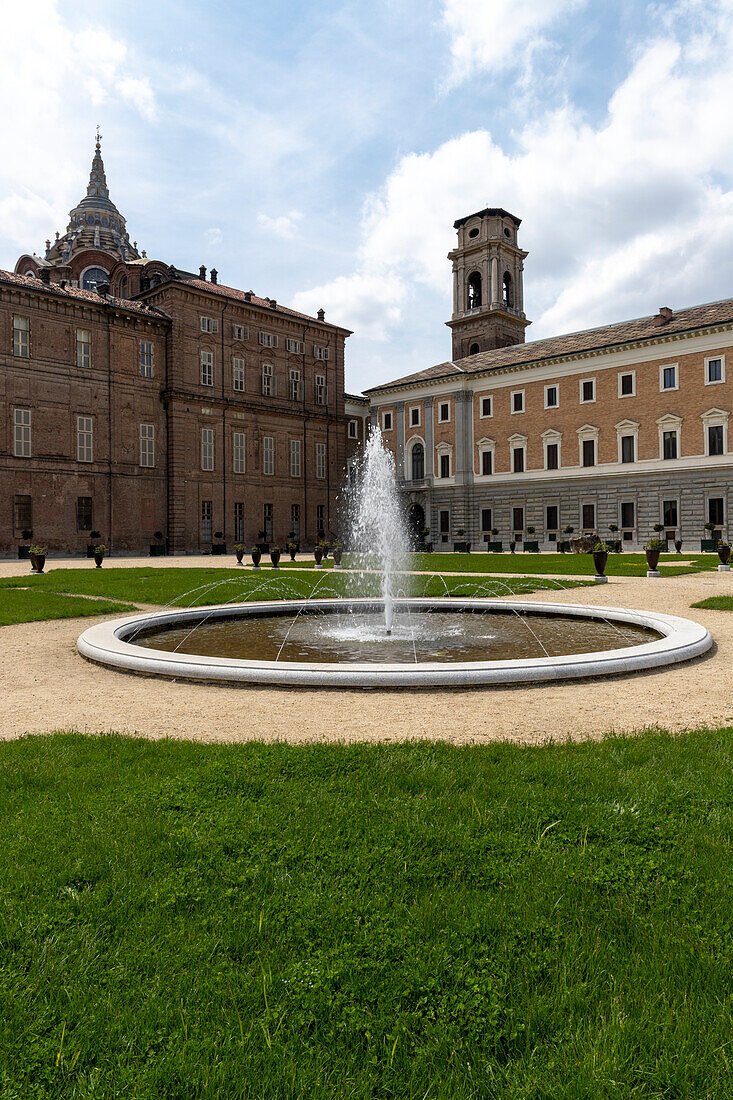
99	136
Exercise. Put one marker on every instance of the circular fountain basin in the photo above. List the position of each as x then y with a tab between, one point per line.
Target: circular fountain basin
445	642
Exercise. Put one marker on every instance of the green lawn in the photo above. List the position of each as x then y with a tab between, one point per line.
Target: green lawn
18	605
620	565
716	603
408	921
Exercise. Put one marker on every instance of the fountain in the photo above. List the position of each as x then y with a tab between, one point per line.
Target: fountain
388	638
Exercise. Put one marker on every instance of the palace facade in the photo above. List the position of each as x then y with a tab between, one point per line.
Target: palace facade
622	426
152	405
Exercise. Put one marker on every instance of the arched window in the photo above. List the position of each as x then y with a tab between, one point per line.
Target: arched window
418	462
508	291
92	277
123	286
473	350
474	290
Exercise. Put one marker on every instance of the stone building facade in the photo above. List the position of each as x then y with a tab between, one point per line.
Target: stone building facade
139	401
624	425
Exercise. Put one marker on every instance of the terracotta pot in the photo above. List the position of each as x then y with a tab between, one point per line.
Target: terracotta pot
652	558
318	555
256	557
600	557
724	554
274	558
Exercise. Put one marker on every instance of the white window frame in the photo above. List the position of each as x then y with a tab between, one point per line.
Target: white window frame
516	393
207	448
21	336
83	349
481	509
268	380
147	445
238	373
409	447
669	366
294	384
320	352
239	332
548	437
588	504
320	390
627	427
321	461
385	426
517	443
587	432
714	418
206	359
268	455
22	433
626	374
295	455
587	400
548	529
239	453
84	439
486	446
267	339
670	526
209	324
620	516
296	347
669	423
353	429
490	398
556	387
443	405
414	423
147	358
444	450
712	359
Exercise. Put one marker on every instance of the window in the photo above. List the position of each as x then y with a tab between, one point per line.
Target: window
22	433
487	406
320	460
551	397
21	337
268	340
207	368
146	359
295	458
320	352
444	523
444	412
445	465
22	514
239	332
552	521
588	517
714	370
239	521
209	324
268	455
296	346
238	452
669	513
320	389
628	448
628	514
715	439
474	290
321	517
474	349
295	520
668	377
415	417
83	348
294	376
669	444
518	401
268	380
147	445
589	452
93	276
238	373
587	390
206	517
518	519
387	422
207	448
486	520
487	463
716	511
552	456
518	458
84	513
417	462
627	384
353	429
84	439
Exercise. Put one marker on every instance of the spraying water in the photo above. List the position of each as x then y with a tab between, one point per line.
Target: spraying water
378	533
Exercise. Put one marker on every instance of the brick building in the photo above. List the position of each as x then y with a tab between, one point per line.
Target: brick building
140	399
623	425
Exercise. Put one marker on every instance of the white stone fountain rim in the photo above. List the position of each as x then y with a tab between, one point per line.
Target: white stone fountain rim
682	639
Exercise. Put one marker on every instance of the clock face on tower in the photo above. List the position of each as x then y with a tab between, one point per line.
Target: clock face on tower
93	276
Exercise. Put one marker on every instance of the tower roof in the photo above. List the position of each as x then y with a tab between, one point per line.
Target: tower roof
489	212
95	222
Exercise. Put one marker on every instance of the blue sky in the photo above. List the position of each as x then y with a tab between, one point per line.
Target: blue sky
319	153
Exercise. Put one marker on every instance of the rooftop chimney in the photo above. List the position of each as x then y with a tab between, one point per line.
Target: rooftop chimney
248	295
44	275
321	315
273	303
214	274
665	314
202	272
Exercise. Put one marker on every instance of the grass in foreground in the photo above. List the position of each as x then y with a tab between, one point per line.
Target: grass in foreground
619	565
408	921
20	605
716	603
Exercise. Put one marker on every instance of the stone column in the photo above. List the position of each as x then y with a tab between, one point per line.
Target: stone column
519	295
429	455
494	282
464	438
400	456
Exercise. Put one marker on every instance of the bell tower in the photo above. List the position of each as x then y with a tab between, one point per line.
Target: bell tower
488	290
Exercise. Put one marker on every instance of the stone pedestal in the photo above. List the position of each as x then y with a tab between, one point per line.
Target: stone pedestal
653	573
600	580
723	568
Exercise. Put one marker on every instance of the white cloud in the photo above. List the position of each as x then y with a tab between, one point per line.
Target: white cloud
137	91
284	226
498	34
619	218
369	302
214	236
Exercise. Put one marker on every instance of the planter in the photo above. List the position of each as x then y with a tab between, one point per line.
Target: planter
318	555
218	548
37	562
652	560
337	555
98	558
256	557
157	550
292	550
531	547
240	555
494	547
275	557
512	546
724	554
461	547
678	545
600	560
708	546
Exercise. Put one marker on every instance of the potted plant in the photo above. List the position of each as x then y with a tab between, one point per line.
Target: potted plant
275	556
531	545
600	559
678	545
659	527
616	542
512	545
24	552
256	557
461	546
493	546
37	554
723	549
568	531
292	549
239	551
337	552
711	541
99	551
157	547
94	537
218	546
653	549
318	554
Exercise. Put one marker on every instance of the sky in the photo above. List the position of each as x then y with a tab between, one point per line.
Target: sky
319	151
